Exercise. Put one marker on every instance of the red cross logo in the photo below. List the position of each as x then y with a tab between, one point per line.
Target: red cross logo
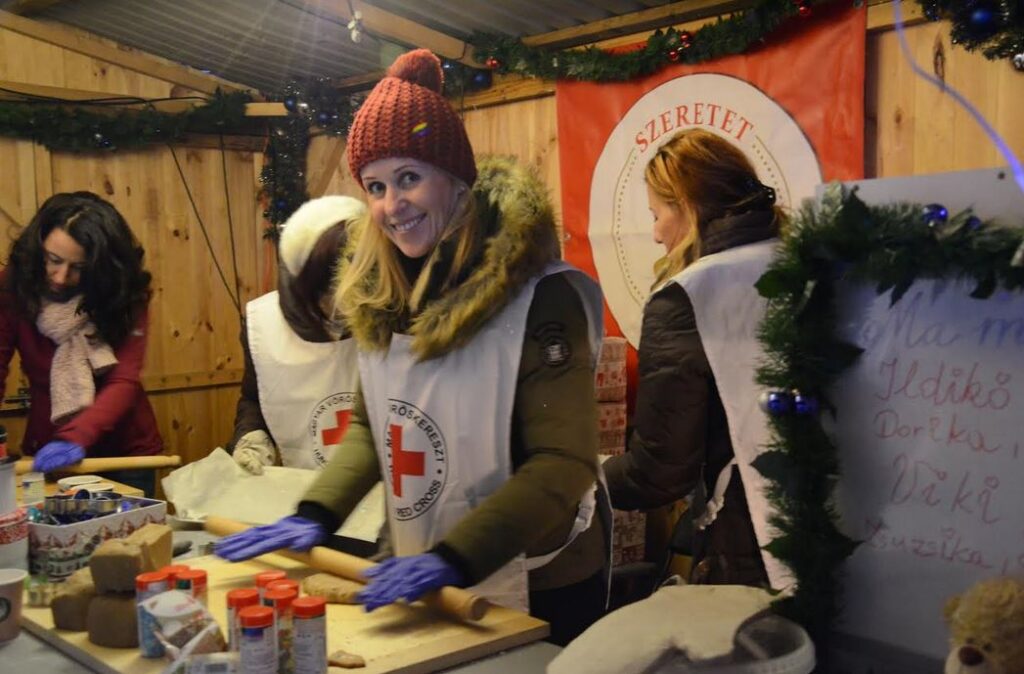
333	436
402	462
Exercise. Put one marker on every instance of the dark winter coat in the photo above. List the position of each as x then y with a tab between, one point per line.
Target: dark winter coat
554	417
679	430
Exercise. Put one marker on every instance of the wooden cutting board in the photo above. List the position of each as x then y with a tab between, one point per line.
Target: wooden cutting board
397	638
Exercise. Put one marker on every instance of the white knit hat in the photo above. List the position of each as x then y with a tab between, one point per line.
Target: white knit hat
304	228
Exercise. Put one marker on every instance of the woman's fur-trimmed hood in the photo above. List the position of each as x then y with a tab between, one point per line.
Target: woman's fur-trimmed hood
520	238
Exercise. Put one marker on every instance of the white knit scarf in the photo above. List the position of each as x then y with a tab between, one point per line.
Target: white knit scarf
81	355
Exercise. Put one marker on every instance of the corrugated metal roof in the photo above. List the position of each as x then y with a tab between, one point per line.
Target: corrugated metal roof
264	43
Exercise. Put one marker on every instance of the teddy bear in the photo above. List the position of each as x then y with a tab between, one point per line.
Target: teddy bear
986	625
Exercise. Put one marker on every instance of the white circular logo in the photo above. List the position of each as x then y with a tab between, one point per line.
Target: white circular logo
620	228
417	459
328	423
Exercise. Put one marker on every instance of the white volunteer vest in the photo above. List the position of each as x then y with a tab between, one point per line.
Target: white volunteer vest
442	430
728	311
307	389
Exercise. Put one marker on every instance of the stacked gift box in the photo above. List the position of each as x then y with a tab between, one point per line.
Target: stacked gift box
610	384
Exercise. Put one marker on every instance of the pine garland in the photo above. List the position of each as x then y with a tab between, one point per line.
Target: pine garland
844	239
78	127
735	34
996	27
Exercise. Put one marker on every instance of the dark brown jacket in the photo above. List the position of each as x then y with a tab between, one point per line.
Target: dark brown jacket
679	429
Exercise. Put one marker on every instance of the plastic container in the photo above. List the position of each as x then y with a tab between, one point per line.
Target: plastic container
257	646
192	581
236	600
265	578
770	645
149	585
286	583
33	488
309	635
281	601
173	570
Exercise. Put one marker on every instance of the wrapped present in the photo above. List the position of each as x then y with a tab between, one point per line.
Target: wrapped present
611	428
610	378
628	537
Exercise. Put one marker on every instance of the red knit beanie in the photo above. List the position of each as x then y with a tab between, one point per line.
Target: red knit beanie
406	116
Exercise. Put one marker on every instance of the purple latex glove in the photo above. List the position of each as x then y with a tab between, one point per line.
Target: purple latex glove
57	454
407	578
294	532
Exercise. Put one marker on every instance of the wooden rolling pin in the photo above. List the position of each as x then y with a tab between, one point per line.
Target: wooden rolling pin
112	463
453	601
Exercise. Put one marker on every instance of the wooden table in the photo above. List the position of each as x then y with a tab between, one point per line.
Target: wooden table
396	638
51	488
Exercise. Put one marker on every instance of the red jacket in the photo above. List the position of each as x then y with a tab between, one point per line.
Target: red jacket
120	421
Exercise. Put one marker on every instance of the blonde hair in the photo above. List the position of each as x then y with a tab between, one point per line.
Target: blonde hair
376	259
706	177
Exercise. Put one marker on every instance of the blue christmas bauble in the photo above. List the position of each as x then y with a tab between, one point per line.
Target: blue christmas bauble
982	19
291	104
935	214
973	223
804	405
775	403
482	79
323	118
281	204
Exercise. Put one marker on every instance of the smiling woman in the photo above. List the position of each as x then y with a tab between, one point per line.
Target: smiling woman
483	434
73	304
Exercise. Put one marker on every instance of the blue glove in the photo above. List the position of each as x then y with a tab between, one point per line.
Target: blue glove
57	454
294	532
407	578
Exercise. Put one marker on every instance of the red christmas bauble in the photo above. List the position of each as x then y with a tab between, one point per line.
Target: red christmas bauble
804	10
492	63
673	55
686	39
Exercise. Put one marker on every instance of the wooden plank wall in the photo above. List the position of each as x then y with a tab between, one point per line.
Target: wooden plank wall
913	128
194	357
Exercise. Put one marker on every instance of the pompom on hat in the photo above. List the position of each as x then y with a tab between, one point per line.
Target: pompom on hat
406	116
307	224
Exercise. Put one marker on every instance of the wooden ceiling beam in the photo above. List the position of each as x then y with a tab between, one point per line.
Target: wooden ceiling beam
125	57
397	28
25	7
636	22
14	91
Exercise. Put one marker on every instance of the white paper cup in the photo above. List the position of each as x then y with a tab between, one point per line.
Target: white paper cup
12	587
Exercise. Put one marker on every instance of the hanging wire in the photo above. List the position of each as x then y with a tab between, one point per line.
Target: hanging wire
109	101
231	222
1001	145
206	236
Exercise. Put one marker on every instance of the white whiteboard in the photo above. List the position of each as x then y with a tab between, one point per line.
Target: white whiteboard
931	434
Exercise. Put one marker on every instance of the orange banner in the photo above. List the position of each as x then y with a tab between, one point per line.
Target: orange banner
795	107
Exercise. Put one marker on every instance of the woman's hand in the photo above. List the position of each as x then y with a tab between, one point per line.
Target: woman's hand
253	451
57	454
407	578
293	532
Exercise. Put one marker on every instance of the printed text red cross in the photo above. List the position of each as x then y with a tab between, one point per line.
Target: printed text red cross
402	462
333	436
